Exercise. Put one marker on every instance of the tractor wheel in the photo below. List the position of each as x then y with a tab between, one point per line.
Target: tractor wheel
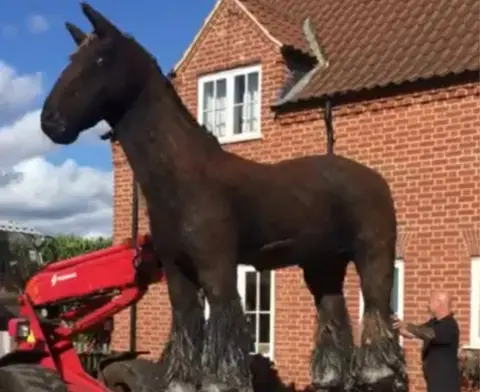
29	378
137	375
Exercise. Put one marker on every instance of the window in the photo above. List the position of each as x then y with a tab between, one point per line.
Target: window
475	303
256	290
257	293
229	104
396	300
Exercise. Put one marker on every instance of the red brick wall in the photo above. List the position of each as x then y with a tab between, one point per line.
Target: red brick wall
425	144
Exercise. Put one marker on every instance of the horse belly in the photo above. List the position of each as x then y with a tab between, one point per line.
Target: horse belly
317	241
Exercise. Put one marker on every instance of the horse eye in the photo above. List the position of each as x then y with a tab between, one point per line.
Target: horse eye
99	61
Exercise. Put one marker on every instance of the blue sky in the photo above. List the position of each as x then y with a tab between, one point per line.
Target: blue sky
34	48
164	27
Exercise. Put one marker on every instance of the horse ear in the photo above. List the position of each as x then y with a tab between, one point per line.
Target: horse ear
101	25
78	35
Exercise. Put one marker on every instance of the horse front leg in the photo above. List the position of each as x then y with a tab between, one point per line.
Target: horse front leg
379	361
180	360
227	338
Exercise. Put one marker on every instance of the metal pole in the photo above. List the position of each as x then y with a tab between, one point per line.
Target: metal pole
327	116
133	308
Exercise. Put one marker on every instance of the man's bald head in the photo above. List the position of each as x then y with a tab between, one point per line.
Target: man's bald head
440	303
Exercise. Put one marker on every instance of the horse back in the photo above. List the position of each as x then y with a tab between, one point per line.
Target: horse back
321	196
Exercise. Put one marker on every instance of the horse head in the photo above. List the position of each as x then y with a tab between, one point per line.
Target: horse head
97	82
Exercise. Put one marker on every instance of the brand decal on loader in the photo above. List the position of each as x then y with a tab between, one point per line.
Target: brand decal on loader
60	278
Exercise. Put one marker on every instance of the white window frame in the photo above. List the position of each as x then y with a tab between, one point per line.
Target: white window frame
241	280
230	79
475	302
400	267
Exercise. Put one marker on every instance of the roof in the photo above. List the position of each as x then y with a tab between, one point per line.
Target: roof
283	28
207	21
373	43
376	43
14	227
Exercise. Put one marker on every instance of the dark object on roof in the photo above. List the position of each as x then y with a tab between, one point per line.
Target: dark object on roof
19	257
376	43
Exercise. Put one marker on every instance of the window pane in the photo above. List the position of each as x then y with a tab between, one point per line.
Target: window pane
238	120
251	291
246	103
252	91
265	290
221	94
214	106
264	348
264	333
208	96
239	89
209	120
252	323
250	117
394	296
220	122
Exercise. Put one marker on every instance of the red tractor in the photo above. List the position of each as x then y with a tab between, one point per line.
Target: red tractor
101	284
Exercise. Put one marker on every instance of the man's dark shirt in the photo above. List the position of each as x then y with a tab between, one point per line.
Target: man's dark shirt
439	356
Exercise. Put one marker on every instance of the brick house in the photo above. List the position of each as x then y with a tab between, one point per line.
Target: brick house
403	81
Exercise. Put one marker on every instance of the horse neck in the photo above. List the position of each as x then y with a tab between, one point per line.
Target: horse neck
161	139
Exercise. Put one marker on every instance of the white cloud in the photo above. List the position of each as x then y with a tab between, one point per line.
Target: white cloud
17	91
67	198
23	139
37	24
58	199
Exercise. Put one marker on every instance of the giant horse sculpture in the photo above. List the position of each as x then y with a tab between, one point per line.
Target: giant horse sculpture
210	210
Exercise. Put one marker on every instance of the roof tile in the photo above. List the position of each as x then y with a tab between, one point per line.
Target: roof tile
375	43
286	30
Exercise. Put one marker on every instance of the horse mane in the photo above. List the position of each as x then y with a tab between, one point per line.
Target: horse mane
168	82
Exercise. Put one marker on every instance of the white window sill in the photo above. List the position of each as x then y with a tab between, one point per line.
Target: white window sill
245	137
471	346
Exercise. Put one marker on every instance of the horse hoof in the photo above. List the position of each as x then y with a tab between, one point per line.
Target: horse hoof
213	387
327	369
180	387
381	380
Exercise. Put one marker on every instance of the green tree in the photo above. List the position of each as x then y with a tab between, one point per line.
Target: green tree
66	246
19	253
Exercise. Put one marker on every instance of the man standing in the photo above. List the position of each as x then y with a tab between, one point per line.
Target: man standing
440	337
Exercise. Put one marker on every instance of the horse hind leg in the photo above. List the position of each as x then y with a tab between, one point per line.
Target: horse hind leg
333	349
379	361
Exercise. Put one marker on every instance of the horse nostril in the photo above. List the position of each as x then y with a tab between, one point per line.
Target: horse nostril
47	117
51	118
51	122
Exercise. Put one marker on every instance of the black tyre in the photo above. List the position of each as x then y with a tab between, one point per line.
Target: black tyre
137	375
29	378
